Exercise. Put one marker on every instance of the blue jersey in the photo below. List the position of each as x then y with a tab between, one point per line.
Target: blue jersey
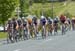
43	21
19	22
24	23
49	21
55	21
69	21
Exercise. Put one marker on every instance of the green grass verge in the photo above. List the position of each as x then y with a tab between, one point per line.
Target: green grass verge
3	35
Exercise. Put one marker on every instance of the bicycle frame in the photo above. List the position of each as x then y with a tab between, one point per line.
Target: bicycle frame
63	29
25	33
43	32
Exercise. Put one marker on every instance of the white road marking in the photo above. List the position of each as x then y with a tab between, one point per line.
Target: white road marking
18	50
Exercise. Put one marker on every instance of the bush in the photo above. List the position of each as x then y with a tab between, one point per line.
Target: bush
67	14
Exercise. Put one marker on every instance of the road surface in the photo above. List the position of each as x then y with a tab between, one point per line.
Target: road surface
52	43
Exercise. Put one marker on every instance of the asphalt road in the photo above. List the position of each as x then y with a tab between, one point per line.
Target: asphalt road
52	43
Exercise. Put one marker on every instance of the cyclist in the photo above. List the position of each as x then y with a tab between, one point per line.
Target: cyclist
25	29
73	23
19	28
34	19
14	23
69	23
55	25
30	27
9	30
50	26
43	23
62	20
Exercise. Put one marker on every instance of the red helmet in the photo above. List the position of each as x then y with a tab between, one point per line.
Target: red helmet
62	17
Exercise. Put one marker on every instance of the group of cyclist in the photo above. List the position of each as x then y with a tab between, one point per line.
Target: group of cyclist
26	28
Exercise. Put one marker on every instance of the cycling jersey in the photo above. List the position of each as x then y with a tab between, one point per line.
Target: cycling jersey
55	21
69	21
19	22
29	20
34	20
62	18
73	21
49	21
24	23
43	21
9	24
14	24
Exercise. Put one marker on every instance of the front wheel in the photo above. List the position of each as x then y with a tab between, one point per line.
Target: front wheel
43	33
63	29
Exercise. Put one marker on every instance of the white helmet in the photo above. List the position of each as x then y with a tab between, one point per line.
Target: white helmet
22	17
9	19
42	17
25	20
55	18
19	18
49	17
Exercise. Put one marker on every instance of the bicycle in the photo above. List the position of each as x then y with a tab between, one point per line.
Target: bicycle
55	29
43	32
19	33
25	33
35	31
63	29
50	29
11	37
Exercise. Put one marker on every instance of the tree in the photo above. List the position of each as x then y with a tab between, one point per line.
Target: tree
7	7
67	14
24	5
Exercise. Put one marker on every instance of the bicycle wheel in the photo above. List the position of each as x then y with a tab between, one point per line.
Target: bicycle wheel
63	29
43	33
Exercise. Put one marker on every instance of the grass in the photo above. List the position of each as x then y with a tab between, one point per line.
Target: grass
3	35
71	9
47	6
59	7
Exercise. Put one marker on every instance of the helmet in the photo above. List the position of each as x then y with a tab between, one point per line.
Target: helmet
49	17
22	17
55	18
29	20
9	19
42	17
73	18
25	20
19	18
34	17
13	19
